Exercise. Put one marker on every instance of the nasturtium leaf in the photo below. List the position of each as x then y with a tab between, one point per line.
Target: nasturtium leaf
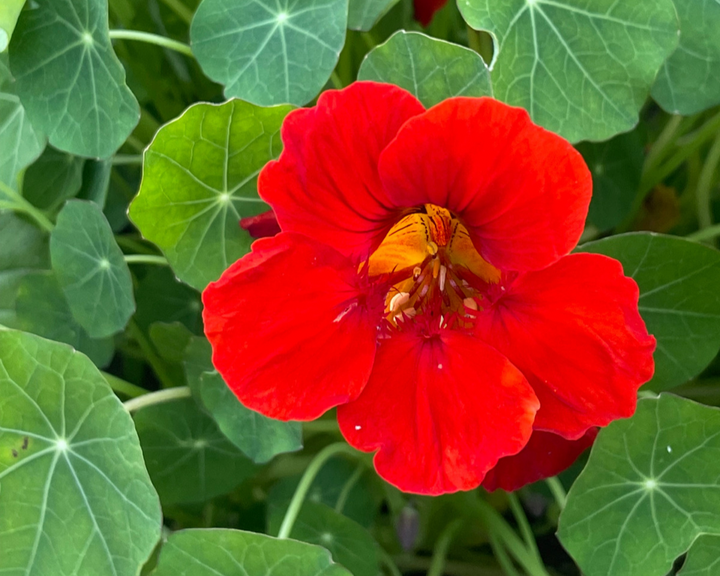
688	81
20	142
363	14
52	179
431	69
679	299
24	248
350	544
199	179
9	12
162	298
651	485
582	69
95	181
68	77
259	437
616	167
75	498
91	269
42	309
188	458
703	558
219	552
170	339
269	51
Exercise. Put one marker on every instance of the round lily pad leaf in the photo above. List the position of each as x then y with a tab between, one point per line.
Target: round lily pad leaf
219	552
259	437
688	81
650	487
53	178
42	309
269	51
363	14
582	69
679	299
703	558
188	458
431	69
616	167
69	79
199	179
91	269
75	498
20	142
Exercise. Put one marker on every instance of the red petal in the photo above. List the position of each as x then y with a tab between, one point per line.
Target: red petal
325	184
425	10
262	225
575	332
545	455
440	410
521	191
290	328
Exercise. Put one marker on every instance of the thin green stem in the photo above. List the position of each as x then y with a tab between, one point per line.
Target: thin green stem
369	40
441	547
306	481
557	490
502	557
146	259
523	524
347	488
19	204
157	398
389	563
122	387
135	143
181	11
151	39
125	159
153	359
705	182
336	82
705	234
134	245
664	141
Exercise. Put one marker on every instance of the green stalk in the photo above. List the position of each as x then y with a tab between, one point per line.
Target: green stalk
437	565
306	481
19	204
153	359
705	182
157	398
146	259
557	490
388	562
705	234
152	39
523	524
347	488
502	557
125	159
122	387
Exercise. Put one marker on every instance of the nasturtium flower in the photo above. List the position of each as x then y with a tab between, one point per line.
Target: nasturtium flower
422	284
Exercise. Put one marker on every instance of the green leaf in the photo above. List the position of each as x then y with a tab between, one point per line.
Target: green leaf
363	14
679	299
43	310
161	298
649	488
24	248
582	69
52	179
75	498
95	181
616	167
688	81
220	552
9	12
69	79
91	269
703	558
20	142
170	339
188	458
348	542
259	437
269	51
431	69
199	179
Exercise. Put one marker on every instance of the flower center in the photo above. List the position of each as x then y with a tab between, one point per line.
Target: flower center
434	269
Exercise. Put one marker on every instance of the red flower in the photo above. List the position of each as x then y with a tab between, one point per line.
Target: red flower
421	283
425	10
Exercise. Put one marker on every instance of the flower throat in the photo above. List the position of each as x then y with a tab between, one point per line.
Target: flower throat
436	273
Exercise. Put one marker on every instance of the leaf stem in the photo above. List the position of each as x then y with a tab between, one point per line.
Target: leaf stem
306	481
705	234
704	185
523	524
336	82
388	562
347	488
663	142
157	398
131	244
502	557
437	564
557	490
19	204
153	359
152	39
181	11
122	387
125	159
146	259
